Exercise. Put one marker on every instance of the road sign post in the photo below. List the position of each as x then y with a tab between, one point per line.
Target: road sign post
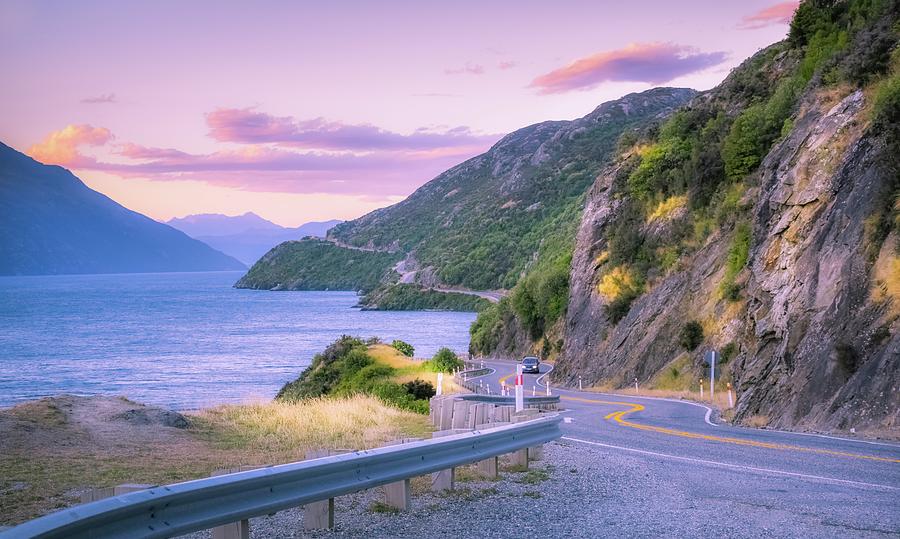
712	357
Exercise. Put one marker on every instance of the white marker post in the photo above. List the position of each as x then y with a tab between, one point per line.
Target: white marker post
520	389
547	386
635	386
440	387
712	376
579	383
730	397
534	390
701	389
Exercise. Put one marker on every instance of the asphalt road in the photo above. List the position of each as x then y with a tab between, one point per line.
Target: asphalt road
829	485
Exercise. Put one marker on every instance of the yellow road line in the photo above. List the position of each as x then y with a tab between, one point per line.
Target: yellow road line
505	378
618	417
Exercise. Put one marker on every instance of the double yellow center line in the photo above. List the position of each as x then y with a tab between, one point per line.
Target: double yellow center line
619	417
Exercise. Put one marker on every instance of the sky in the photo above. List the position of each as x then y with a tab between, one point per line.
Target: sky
303	111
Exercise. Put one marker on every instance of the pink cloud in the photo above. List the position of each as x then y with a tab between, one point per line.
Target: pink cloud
61	147
653	63
259	167
468	69
248	126
509	64
100	99
780	13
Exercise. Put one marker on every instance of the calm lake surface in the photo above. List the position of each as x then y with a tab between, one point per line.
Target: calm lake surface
182	340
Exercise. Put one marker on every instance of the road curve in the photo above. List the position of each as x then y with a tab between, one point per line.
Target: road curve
851	487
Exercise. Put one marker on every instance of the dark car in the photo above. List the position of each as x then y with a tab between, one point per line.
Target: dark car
531	365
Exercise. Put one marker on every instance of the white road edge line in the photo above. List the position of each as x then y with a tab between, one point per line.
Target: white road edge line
735	466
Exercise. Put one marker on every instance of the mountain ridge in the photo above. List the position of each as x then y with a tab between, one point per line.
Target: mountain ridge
52	223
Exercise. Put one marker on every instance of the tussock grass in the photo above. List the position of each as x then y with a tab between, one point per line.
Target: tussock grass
667	207
327	423
409	369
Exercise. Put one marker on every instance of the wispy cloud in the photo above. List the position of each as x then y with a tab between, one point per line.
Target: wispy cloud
249	126
468	69
100	99
262	164
653	63
508	64
780	13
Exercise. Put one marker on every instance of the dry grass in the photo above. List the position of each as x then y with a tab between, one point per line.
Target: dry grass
667	207
409	369
49	454
617	282
757	421
355	422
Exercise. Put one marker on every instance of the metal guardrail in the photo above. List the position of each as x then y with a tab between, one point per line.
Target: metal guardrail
181	508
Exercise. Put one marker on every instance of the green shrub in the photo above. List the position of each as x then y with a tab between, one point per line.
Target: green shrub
444	361
404	348
619	307
691	335
420	389
738	254
728	352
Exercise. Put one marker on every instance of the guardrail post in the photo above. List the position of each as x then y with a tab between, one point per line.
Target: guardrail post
397	494
235	530
446	415
444	479
319	515
520	457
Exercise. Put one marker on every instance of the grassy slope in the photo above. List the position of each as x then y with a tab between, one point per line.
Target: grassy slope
47	456
407	297
318	265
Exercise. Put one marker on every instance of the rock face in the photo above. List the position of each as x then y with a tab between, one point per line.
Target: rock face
820	343
817	342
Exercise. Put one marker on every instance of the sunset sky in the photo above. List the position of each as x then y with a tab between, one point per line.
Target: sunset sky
310	111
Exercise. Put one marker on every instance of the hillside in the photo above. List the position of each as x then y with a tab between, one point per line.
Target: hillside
51	223
480	224
312	264
246	237
760	220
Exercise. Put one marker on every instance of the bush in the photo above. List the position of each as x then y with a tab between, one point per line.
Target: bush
728	352
691	335
404	348
444	361
738	254
420	389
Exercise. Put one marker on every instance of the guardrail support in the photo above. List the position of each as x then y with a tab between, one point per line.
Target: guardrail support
234	530
99	493
520	457
319	515
397	494
445	479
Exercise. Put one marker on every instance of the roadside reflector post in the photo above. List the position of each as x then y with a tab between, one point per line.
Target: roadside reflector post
579	383
534	390
520	394
440	385
730	396
547	386
635	386
489	389
701	389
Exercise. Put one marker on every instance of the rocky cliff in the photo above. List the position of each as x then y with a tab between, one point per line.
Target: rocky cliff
791	269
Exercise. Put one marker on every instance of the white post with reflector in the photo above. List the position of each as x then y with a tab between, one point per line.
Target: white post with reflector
520	389
440	384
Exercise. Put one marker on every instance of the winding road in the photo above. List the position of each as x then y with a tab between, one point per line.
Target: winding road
831	486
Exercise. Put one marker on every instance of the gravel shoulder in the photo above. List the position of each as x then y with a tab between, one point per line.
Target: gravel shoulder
584	491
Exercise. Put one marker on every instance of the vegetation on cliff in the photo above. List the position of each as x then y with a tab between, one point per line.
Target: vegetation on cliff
313	264
410	297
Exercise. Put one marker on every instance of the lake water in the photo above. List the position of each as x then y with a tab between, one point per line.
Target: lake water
182	340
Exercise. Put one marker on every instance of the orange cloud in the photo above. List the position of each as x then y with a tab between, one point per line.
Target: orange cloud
61	147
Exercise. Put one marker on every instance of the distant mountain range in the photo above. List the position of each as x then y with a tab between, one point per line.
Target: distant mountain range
246	237
52	223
